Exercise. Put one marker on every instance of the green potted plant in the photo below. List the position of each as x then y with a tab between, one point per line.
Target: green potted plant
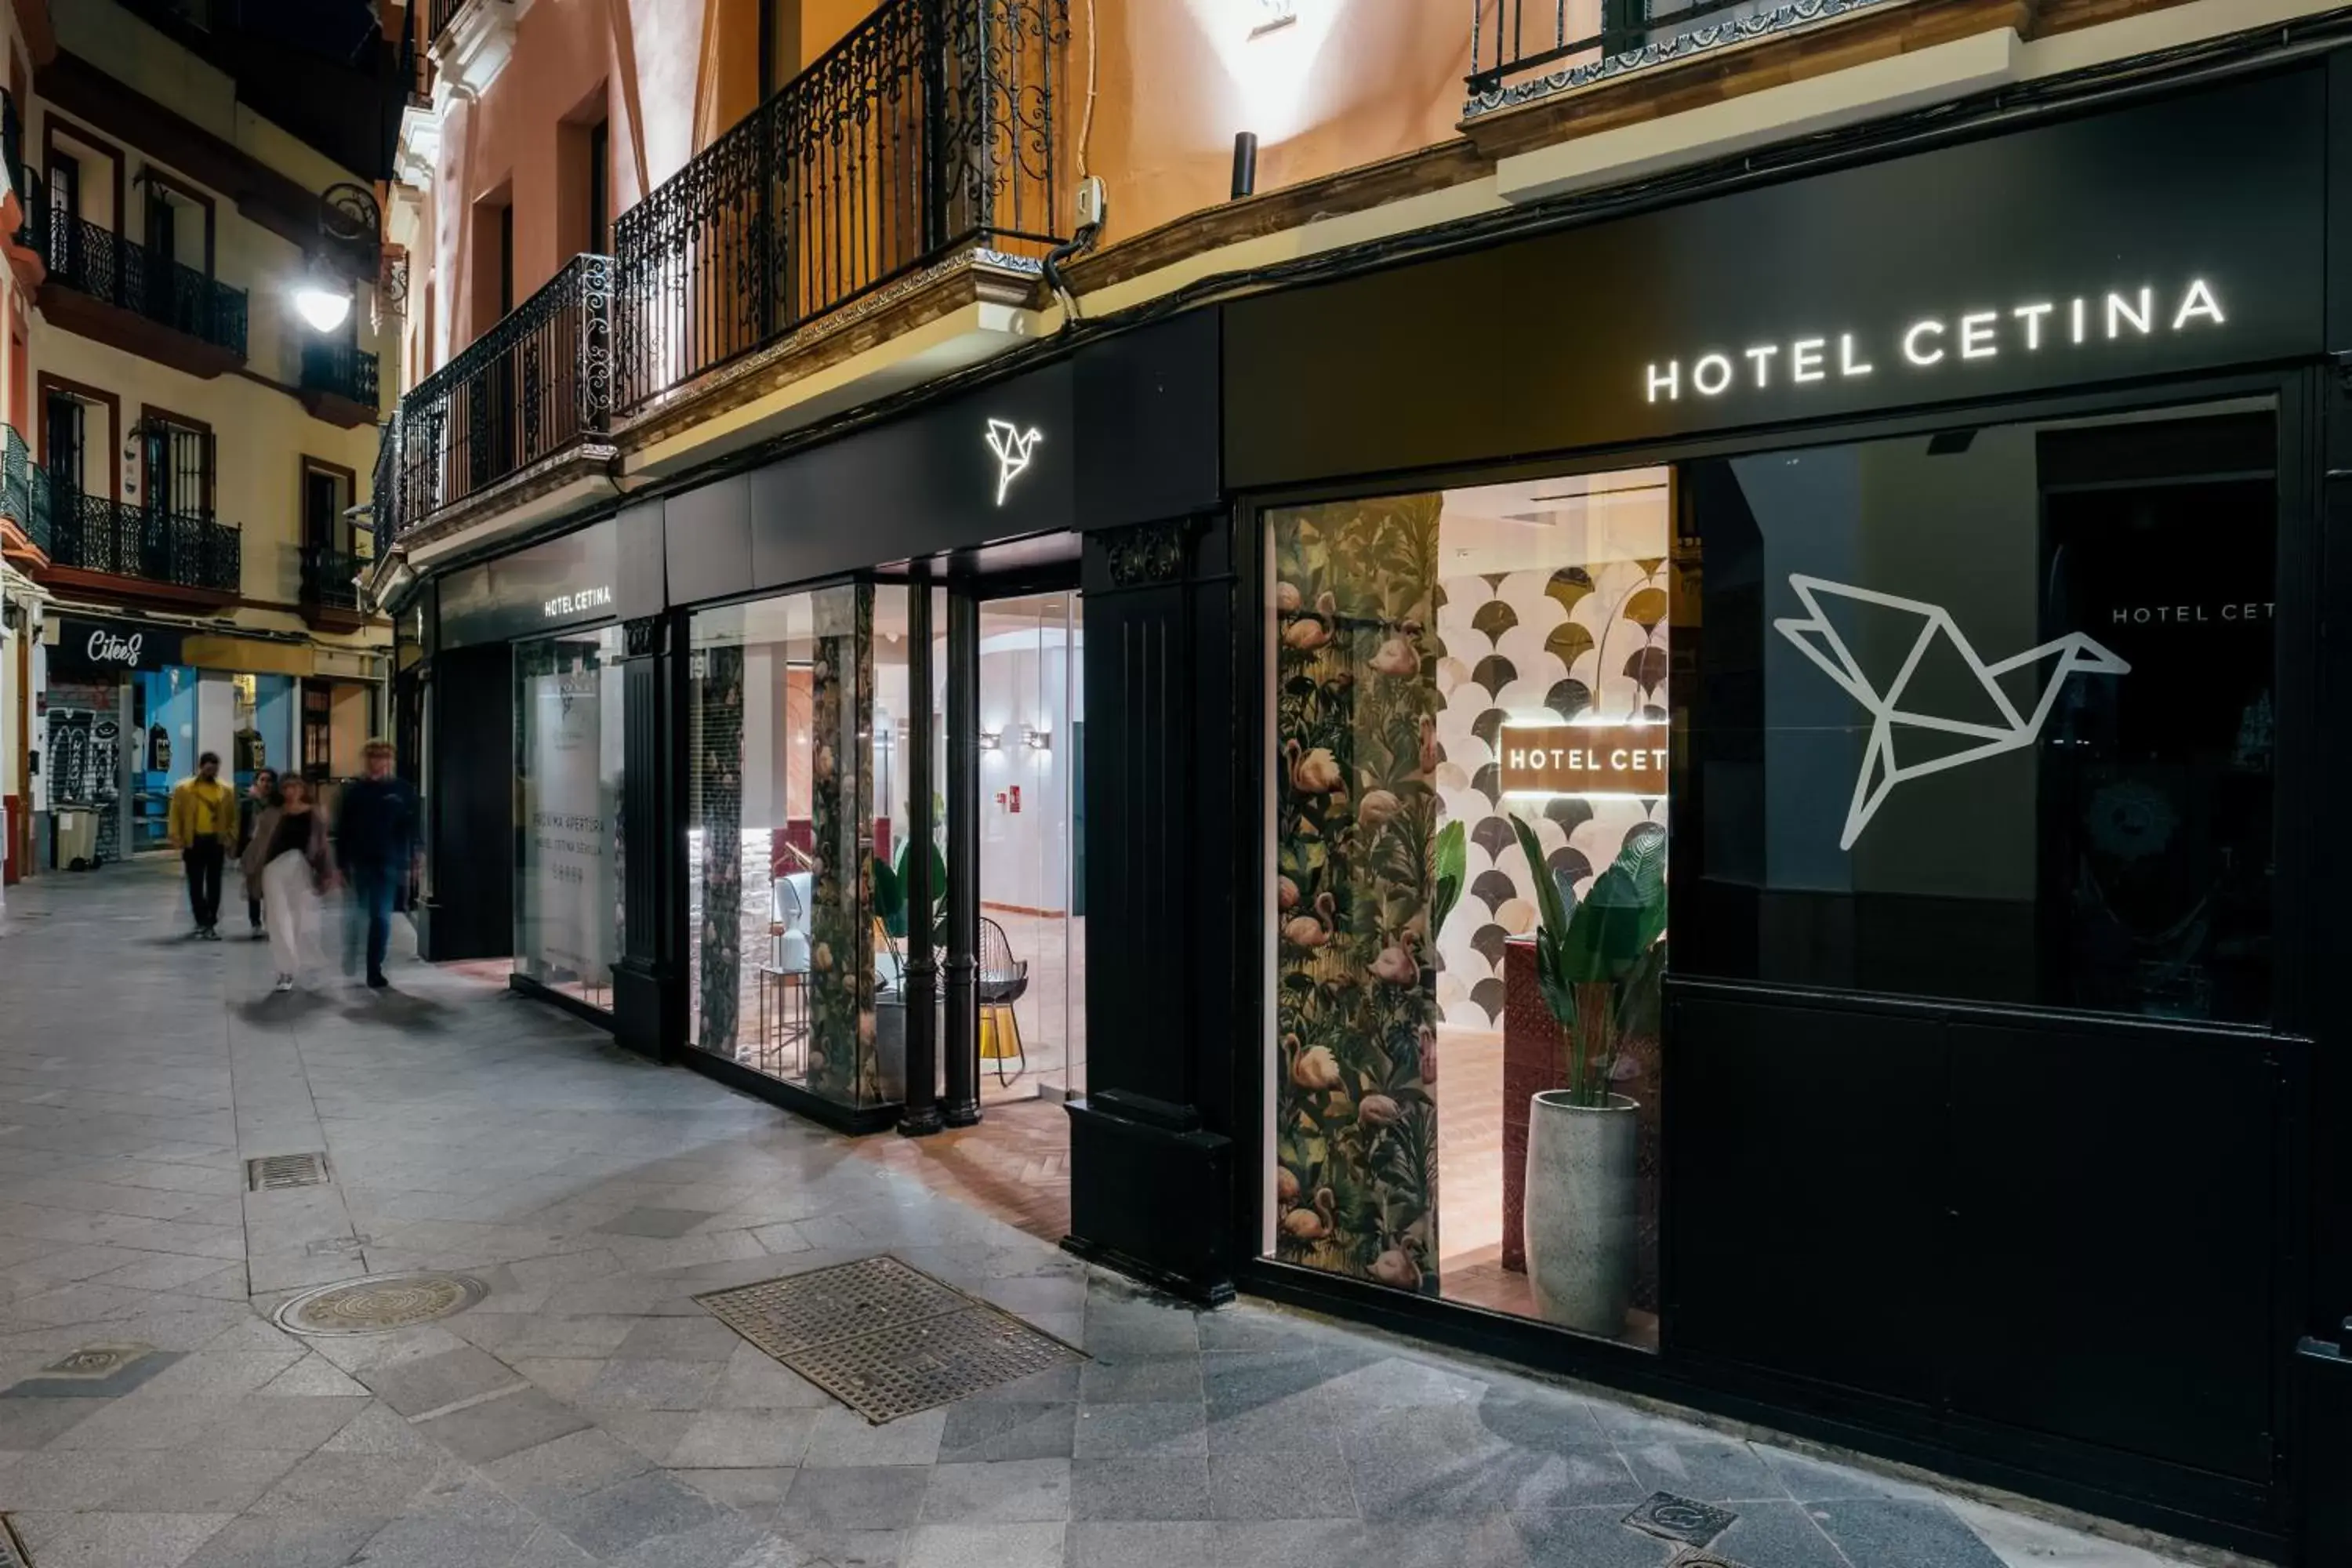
1599	964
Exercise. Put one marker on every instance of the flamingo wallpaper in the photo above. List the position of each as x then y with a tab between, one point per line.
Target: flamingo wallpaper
1356	728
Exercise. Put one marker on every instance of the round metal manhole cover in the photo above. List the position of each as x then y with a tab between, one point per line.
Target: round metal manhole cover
379	1305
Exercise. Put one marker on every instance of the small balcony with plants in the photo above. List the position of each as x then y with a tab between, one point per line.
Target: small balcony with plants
108	287
26	533
523	412
123	550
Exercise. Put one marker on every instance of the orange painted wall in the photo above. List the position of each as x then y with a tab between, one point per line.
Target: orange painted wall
1349	82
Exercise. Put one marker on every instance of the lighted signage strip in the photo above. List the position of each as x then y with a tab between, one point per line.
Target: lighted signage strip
1587	760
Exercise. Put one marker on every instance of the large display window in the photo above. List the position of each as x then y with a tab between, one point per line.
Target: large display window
1988	715
1470	745
794	791
569	744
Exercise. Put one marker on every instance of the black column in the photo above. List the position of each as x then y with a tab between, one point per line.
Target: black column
962	1046
922	982
1168	853
643	978
471	911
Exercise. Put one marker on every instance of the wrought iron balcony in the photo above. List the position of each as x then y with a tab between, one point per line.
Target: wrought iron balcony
438	14
1524	50
12	141
930	129
94	534
25	493
536	384
339	370
110	267
331	578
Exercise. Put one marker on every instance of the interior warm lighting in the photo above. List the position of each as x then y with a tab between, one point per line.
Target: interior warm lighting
322	307
1037	740
992	740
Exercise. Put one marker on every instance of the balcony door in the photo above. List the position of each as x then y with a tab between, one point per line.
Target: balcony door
176	534
63	426
65	214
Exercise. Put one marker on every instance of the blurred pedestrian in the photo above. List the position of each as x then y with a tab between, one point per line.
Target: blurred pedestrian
200	823
294	868
253	840
376	845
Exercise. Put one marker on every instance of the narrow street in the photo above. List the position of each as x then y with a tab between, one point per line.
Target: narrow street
589	1410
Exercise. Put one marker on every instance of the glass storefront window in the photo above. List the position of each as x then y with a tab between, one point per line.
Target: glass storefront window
568	749
780	827
1987	715
1448	668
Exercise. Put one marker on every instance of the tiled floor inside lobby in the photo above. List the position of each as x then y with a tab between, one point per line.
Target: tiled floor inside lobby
589	1411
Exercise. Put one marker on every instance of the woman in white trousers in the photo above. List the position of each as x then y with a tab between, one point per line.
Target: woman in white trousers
295	868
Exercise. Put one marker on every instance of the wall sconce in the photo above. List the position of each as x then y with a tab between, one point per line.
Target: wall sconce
1036	740
992	740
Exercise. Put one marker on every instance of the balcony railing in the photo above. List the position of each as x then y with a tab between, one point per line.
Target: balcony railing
24	493
344	370
438	14
535	384
124	539
1510	40
331	577
929	129
11	141
108	266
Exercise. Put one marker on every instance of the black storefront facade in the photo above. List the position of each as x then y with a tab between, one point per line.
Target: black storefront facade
1901	584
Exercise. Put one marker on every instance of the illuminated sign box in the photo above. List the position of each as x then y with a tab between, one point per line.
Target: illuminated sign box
1584	759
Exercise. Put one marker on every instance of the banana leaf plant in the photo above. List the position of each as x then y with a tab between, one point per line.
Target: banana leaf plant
1600	960
1449	865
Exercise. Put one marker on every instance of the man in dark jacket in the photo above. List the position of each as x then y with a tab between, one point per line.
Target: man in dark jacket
375	844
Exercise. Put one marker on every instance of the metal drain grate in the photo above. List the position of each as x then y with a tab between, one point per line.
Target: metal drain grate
12	1545
1680	1520
884	1337
274	1171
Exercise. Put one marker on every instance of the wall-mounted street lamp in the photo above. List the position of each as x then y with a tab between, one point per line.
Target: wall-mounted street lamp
347	215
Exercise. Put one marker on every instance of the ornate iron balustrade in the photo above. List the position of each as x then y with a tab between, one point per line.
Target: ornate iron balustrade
331	577
929	129
538	382
1513	37
343	368
24	493
108	266
11	141
438	16
124	539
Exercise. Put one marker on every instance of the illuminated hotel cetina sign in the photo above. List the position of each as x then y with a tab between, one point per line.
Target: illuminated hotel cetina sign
1938	343
1584	759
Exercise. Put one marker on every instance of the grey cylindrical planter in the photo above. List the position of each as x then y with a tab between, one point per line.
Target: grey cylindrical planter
1581	1211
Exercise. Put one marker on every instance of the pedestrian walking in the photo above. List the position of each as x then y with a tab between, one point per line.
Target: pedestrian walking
200	823
376	845
294	868
253	841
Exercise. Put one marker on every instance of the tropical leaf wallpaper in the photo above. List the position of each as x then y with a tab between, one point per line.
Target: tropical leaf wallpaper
718	724
841	1060
1356	728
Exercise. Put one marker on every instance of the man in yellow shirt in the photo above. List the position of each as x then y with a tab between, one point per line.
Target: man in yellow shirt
202	821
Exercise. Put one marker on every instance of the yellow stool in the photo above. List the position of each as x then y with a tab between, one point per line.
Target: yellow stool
1000	1036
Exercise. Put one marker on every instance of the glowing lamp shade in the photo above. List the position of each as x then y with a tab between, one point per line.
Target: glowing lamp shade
321	305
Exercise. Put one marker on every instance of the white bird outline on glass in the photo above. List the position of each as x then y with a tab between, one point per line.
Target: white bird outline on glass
1818	641
1012	446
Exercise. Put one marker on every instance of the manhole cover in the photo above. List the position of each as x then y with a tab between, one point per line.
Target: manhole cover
274	1171
1697	1559
379	1305
1680	1519
884	1337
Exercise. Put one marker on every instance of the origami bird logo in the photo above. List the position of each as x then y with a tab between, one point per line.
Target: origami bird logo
1012	446
1882	768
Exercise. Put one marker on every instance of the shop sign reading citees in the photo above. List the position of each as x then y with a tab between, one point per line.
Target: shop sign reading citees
1937	343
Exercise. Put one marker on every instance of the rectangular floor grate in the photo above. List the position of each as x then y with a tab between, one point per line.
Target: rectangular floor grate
12	1546
884	1337
271	1171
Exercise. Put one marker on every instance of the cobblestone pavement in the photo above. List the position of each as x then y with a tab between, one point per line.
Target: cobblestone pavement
590	1412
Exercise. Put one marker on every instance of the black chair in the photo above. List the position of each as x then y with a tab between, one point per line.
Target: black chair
1003	980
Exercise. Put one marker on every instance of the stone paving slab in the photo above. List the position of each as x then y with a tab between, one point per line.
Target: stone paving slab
590	1413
